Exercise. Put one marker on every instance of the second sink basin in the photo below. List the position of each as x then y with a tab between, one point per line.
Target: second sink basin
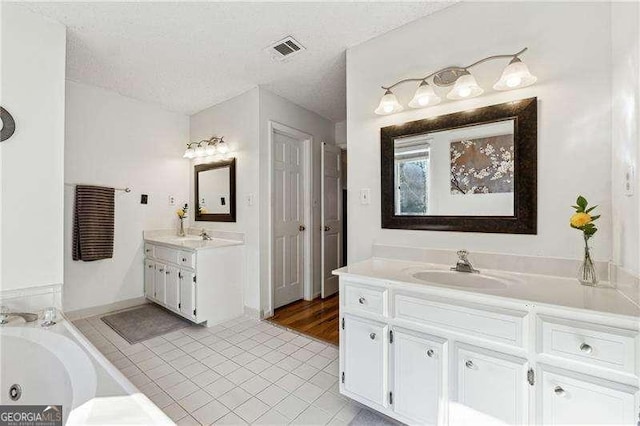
461	279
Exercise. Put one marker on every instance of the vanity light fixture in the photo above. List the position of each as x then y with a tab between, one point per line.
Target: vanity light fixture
206	148
465	86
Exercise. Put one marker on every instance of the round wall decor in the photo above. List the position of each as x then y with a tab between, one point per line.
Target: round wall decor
8	125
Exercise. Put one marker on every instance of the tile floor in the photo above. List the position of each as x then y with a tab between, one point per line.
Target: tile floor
241	372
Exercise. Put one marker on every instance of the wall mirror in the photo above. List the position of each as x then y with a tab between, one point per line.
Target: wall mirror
215	191
472	171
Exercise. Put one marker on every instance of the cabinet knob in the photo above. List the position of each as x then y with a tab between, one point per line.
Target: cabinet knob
469	364
301	228
168	272
327	228
184	259
150	266
586	348
147	250
361	300
372	336
430	353
161	269
559	391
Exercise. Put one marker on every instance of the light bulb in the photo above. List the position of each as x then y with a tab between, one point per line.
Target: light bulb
424	96
388	104
210	149
200	152
515	76
222	147
189	152
466	87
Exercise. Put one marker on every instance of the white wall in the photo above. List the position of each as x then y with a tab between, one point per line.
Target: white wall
340	134
113	140
237	120
32	160
574	122
277	109
625	56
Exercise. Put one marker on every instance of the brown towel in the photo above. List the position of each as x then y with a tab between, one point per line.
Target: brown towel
93	223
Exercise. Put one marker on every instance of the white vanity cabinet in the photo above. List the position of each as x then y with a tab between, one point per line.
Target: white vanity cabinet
202	285
429	355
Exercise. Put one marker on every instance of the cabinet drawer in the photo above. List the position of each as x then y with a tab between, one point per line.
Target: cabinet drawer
187	259
502	325
166	254
595	344
366	299
149	250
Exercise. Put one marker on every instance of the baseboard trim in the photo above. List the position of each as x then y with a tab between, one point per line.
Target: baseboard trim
103	309
252	313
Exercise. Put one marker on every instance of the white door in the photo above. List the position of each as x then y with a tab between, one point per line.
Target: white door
149	277
187	287
159	282
288	219
172	290
418	362
575	399
492	388
365	355
331	218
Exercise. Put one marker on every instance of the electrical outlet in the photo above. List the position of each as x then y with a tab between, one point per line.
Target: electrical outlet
172	200
250	199
365	196
629	180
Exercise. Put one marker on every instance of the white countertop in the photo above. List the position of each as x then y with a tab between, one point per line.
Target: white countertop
190	242
542	289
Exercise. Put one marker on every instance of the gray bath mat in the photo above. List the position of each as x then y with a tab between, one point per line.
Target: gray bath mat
143	323
369	418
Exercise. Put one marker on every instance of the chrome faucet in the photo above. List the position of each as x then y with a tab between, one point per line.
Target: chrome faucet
463	264
204	235
5	315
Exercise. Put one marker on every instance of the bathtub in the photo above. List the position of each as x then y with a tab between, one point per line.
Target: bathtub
58	366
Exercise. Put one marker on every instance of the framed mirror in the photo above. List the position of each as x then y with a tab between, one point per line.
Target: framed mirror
472	171
215	191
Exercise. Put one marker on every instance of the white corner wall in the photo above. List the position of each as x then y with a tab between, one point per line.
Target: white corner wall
112	140
237	120
569	50
32	160
625	132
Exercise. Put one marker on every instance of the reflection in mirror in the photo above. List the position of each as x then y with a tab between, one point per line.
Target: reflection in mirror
214	191
465	171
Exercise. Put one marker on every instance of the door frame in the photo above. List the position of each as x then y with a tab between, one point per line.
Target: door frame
306	141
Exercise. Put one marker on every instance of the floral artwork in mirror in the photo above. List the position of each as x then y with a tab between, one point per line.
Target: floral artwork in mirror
471	171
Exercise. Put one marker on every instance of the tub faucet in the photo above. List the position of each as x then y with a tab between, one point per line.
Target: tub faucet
463	264
204	235
5	315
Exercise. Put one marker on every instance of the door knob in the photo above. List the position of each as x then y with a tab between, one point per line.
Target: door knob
327	228
301	228
559	391
372	336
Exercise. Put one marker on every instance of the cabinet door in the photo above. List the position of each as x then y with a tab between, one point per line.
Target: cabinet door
491	387
365	359
149	278
418	362
187	294
160	282
172	290
572	398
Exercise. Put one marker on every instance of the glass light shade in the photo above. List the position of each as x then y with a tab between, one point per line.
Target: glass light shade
388	104
515	76
189	153
223	148
466	87
210	149
200	151
424	96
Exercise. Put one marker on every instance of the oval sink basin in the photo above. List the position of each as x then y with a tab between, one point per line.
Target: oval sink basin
461	279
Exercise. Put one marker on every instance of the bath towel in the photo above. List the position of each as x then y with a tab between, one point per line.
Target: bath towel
93	223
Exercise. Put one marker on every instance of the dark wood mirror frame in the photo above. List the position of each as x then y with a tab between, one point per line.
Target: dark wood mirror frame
217	217
524	220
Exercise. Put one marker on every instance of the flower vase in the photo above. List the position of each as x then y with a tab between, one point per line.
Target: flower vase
181	232
587	274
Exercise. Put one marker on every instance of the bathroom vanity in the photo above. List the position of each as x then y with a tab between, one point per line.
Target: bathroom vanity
426	345
201	280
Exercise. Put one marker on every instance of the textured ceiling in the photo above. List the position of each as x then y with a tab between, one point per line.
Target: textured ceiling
189	56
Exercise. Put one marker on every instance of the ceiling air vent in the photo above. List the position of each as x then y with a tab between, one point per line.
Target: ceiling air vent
285	49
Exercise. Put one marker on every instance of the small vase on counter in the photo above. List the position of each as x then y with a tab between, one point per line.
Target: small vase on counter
583	221
182	215
587	274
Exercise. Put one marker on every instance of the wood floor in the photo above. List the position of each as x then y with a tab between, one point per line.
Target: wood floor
318	318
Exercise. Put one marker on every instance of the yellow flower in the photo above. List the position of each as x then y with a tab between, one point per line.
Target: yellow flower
180	213
579	220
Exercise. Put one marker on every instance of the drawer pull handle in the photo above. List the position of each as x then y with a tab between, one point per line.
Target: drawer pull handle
430	353
559	391
469	364
372	336
586	348
361	300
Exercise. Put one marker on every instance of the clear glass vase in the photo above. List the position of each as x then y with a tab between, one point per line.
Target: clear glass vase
587	274
181	232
